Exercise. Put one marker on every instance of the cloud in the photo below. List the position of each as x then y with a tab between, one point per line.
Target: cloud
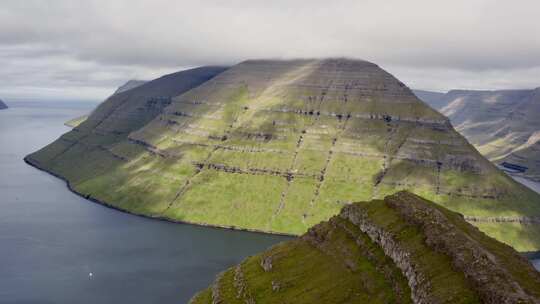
66	44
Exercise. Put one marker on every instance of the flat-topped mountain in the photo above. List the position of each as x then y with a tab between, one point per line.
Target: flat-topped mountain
502	125
2	105
402	249
278	146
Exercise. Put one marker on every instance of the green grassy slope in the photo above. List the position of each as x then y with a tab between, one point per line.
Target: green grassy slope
402	249
279	146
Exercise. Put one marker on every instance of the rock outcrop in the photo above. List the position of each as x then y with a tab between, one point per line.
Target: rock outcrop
278	146
402	249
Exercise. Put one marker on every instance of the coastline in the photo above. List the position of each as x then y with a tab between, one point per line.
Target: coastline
34	164
528	254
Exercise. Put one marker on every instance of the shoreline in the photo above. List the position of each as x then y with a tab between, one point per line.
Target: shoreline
527	254
159	218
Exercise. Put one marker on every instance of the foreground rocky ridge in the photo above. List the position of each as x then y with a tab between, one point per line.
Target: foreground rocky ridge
502	125
278	146
402	249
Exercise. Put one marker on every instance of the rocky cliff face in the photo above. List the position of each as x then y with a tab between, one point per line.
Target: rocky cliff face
502	125
278	146
2	105
402	249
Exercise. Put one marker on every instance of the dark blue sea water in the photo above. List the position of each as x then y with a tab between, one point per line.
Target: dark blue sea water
51	239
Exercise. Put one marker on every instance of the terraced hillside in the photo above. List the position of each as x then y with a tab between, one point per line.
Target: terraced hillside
503	125
402	249
130	84
279	146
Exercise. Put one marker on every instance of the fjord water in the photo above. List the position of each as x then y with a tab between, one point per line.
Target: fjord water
56	247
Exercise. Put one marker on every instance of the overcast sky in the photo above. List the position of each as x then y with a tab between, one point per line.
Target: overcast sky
83	49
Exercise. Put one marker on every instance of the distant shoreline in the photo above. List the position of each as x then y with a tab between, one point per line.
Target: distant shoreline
160	218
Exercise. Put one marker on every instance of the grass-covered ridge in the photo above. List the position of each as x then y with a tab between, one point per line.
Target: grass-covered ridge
279	146
402	249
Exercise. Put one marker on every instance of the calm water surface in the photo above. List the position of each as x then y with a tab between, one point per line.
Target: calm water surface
51	239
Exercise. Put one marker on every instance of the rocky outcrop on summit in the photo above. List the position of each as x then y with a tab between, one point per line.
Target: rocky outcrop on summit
278	146
402	249
2	105
502	125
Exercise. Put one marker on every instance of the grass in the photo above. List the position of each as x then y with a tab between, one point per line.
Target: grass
435	268
302	274
75	122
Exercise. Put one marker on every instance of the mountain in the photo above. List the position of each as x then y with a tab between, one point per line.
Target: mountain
502	125
130	84
402	249
2	105
278	146
435	100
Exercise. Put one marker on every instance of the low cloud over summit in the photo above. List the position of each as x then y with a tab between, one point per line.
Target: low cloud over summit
82	49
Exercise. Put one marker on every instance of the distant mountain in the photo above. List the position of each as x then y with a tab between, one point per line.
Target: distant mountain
278	146
436	99
503	125
2	105
402	249
131	84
